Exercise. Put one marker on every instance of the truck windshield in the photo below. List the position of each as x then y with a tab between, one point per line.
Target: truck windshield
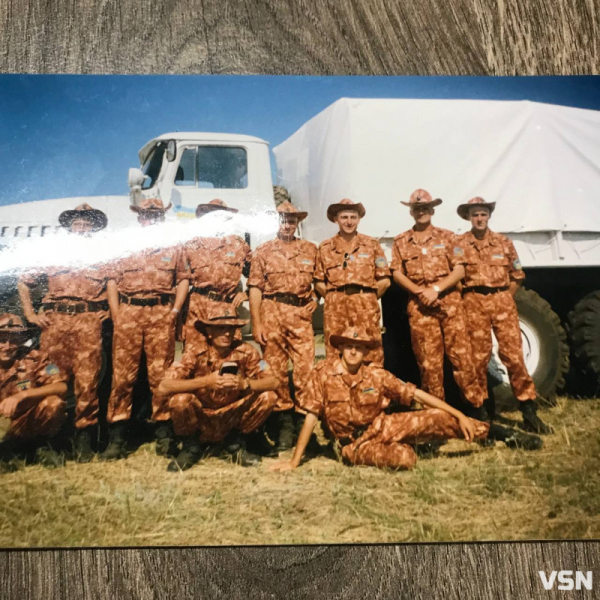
153	165
218	167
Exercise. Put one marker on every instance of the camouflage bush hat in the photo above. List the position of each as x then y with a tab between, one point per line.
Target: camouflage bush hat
220	316
463	209
150	205
287	208
354	335
13	326
345	204
281	195
422	197
215	204
84	211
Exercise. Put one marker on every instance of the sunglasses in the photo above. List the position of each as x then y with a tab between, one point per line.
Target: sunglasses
346	257
13	337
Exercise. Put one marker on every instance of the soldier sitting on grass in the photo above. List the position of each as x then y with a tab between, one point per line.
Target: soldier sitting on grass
221	392
31	391
350	398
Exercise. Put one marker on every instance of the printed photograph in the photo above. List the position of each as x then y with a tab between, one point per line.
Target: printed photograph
245	310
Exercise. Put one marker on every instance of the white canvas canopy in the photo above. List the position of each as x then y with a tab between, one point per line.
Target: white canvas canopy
539	162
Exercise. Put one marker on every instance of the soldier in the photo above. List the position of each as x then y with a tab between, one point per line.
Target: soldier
71	321
493	274
216	265
31	391
352	274
146	292
350	398
428	263
218	389
281	305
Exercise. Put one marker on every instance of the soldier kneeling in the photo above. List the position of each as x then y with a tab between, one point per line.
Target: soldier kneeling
220	392
350	397
31	390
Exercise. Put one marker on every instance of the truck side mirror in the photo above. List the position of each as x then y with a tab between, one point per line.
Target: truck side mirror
136	177
171	150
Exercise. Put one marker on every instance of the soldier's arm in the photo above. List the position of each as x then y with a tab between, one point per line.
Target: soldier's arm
181	294
40	320
258	331
24	400
456	275
266	383
382	286
515	270
178	386
112	293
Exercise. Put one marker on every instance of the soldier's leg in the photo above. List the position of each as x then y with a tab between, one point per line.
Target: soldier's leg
428	346
184	410
367	313
197	309
383	455
44	419
301	345
458	348
335	319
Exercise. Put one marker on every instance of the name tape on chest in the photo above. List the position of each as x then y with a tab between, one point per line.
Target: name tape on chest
229	254
369	390
305	261
439	246
498	256
165	259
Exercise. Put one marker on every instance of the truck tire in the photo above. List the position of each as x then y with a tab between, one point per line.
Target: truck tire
584	338
545	351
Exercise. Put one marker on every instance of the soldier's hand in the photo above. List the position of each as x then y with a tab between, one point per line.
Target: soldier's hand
467	428
428	296
9	405
259	334
238	299
282	466
211	381
40	320
228	382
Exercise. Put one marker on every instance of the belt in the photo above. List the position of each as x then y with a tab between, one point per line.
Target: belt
76	308
290	299
212	295
482	289
163	300
352	288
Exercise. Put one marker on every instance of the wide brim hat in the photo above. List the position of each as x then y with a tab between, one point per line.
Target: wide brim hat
345	204
84	211
150	205
220	316
13	324
353	335
288	209
422	197
213	205
463	209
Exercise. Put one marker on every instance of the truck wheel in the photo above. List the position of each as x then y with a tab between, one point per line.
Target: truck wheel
584	337
545	351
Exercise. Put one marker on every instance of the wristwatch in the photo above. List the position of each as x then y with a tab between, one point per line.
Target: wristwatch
437	288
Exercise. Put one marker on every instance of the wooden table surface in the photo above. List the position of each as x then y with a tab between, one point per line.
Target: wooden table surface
383	37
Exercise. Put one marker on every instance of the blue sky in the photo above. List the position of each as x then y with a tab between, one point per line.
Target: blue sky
78	135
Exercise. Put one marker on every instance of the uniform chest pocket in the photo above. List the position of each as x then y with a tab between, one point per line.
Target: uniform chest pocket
337	408
439	261
335	272
412	262
498	258
275	279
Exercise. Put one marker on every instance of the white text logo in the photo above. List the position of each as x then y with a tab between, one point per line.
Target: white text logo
565	580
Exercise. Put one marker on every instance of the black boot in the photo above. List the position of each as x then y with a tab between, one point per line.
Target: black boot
82	444
48	457
165	439
285	435
234	448
531	421
479	413
514	438
116	442
190	454
258	443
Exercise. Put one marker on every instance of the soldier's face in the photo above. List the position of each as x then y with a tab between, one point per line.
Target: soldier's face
146	218
347	221
81	226
8	349
479	218
422	214
288	226
220	336
353	354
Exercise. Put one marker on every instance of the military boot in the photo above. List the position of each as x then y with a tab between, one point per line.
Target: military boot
165	439
116	442
285	434
531	421
514	438
258	443
190	454
82	444
48	457
234	448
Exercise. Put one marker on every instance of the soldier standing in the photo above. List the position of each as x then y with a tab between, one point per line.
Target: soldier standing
218	389
146	292
493	274
71	322
352	273
216	267
281	305
31	390
428	263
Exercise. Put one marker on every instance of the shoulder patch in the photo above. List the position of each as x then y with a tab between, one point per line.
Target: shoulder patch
381	262
264	365
52	369
517	265
228	254
165	259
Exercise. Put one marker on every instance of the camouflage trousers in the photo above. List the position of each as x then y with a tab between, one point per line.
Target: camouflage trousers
153	329
74	343
245	415
389	439
199	308
43	419
357	310
440	328
498	313
290	336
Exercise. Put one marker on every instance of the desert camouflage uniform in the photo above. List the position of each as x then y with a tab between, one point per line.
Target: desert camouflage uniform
74	341
352	409
216	266
442	326
45	417
214	413
359	268
283	271
150	274
491	264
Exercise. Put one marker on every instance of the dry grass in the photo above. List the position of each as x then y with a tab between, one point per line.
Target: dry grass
466	493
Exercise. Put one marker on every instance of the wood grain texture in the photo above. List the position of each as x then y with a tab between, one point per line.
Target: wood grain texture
483	37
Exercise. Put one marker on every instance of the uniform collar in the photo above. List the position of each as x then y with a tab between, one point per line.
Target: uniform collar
339	369
430	232
490	239
291	248
338	243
